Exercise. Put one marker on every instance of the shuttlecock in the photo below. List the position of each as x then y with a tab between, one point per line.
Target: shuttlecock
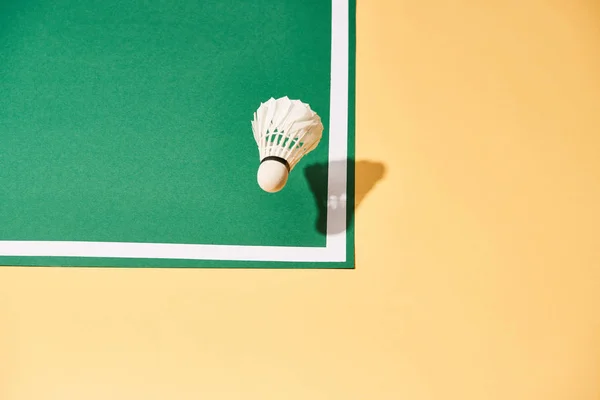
285	131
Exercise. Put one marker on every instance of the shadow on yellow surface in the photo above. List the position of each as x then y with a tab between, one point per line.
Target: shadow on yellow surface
367	174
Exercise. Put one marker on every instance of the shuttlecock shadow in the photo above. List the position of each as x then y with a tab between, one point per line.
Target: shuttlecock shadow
330	197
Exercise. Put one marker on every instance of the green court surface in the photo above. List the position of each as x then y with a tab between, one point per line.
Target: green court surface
125	136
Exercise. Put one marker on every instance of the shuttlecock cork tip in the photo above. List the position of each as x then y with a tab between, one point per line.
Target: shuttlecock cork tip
272	175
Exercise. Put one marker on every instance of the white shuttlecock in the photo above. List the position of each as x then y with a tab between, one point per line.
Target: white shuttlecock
285	131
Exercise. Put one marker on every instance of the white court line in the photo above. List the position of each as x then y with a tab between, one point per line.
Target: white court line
335	249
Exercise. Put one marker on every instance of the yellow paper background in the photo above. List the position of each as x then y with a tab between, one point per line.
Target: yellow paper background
478	267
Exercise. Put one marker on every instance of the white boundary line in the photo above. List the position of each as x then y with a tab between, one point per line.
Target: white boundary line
335	249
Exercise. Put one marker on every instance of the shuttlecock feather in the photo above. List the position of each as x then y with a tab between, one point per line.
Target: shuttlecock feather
285	131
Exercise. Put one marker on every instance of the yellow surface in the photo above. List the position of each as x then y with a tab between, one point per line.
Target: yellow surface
478	271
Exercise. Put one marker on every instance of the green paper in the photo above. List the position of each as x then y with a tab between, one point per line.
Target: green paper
128	122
